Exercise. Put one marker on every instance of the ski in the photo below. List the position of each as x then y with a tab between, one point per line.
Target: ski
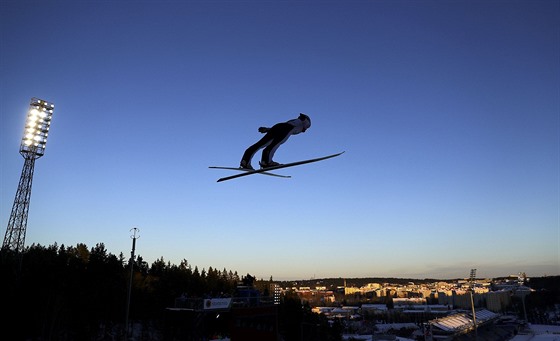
249	170
286	165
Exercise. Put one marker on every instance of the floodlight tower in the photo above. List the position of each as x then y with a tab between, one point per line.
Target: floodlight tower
32	147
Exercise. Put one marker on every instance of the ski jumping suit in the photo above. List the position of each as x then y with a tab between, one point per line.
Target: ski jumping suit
274	137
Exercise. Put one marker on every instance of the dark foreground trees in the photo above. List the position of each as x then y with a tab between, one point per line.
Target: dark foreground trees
298	322
76	293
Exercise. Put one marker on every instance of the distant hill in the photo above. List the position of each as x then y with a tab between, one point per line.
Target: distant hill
548	282
354	282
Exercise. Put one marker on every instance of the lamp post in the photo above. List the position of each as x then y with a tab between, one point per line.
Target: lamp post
134	237
471	279
522	291
32	147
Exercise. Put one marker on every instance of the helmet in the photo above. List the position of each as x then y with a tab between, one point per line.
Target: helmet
305	119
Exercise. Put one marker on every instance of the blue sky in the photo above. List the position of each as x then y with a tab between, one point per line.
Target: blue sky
448	112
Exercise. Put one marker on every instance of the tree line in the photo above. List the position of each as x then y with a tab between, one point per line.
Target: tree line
75	293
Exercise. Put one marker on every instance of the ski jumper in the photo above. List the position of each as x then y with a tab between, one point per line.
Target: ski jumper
274	137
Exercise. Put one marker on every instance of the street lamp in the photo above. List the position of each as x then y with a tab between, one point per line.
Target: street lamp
471	279
134	236
32	147
522	291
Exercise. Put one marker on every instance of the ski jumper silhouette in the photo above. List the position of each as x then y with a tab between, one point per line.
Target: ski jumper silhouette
274	137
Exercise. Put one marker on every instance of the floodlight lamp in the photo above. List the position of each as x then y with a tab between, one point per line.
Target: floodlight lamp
36	128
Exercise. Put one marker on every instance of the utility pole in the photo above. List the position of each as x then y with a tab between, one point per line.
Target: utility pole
522	291
131	262
471	279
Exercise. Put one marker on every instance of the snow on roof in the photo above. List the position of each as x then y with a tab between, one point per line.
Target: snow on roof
458	322
384	327
453	323
374	306
484	315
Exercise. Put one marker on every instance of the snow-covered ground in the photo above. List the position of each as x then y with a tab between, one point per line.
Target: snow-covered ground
539	332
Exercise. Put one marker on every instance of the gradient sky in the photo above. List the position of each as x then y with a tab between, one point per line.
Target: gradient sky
448	112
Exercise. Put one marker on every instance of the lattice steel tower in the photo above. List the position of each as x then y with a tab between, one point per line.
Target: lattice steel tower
32	147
